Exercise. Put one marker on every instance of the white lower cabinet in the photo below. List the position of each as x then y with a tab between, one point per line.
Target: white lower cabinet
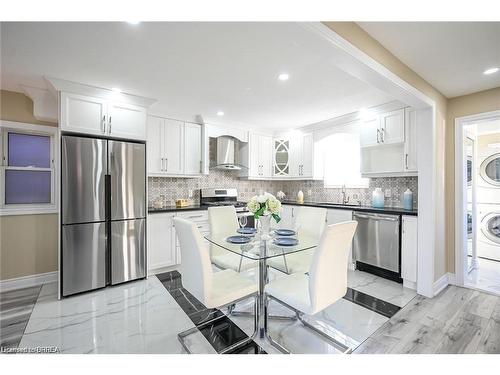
286	217
409	251
201	220
334	216
161	245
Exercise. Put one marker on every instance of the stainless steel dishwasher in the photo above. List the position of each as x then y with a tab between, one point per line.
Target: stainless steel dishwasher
377	244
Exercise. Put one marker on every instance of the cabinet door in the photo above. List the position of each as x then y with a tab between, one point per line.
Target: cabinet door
307	155
192	148
369	132
410	140
392	127
154	145
173	146
296	156
281	164
254	159
266	155
83	114
409	249
127	121
161	247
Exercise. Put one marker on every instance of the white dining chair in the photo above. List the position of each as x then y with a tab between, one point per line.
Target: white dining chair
224	222
324	285
213	289
310	221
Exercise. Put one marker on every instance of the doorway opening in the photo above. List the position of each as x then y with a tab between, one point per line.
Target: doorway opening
478	252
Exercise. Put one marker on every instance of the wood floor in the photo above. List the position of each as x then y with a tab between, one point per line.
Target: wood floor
459	320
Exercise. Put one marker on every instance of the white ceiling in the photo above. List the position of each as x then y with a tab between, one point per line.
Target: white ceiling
451	56
193	69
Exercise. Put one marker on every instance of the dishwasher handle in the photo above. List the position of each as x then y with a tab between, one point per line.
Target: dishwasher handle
376	217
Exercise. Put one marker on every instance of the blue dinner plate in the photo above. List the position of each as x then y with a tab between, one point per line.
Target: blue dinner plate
284	232
286	241
238	239
247	230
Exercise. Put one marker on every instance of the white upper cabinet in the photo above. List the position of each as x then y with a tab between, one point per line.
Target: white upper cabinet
174	147
370	132
192	149
83	114
97	116
293	157
384	129
411	140
173	140
154	146
260	156
126	121
392	127
389	144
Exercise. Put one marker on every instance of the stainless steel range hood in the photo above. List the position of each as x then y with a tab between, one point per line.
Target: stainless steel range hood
224	152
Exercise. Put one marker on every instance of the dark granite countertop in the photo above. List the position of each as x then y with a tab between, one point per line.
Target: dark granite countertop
194	207
385	210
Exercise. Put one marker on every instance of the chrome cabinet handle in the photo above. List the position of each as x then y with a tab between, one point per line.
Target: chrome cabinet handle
406	161
382	135
104	124
194	216
161	164
109	124
376	217
378	135
166	164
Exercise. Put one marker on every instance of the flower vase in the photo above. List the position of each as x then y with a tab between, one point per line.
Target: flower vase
264	226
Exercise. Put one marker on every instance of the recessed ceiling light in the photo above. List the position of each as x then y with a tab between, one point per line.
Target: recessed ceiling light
491	71
283	77
220	113
116	89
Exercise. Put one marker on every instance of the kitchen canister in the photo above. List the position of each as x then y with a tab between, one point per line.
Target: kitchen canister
300	197
378	198
408	200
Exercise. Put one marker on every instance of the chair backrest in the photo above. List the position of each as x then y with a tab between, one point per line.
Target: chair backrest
223	220
196	267
311	220
328	271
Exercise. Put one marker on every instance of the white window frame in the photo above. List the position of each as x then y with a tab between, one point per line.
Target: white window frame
25	128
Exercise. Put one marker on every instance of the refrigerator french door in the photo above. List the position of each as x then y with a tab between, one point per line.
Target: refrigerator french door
103	205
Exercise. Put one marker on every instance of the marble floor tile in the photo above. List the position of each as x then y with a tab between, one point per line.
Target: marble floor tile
486	277
379	287
15	309
138	317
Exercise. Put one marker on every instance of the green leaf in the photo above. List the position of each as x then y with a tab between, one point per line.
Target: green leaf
276	217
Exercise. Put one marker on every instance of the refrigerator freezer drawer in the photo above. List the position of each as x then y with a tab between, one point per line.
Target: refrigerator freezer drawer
128	250
82	179
127	167
83	257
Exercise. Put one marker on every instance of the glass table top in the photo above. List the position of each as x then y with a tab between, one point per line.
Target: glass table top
258	248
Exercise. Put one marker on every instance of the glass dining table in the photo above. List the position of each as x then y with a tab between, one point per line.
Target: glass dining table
260	249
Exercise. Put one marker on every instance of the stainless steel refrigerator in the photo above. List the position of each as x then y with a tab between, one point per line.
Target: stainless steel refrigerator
103	205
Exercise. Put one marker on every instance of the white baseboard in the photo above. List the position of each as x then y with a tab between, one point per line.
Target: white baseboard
410	284
155	271
443	282
28	281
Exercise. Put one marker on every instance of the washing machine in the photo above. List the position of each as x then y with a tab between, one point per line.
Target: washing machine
488	239
488	183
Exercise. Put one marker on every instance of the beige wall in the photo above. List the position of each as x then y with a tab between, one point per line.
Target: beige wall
484	101
362	40
28	243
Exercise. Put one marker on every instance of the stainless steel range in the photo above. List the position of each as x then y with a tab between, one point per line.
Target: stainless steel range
226	197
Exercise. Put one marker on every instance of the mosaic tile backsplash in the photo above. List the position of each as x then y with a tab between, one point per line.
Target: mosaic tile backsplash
167	190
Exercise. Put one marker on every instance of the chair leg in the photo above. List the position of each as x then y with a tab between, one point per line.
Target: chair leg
181	336
338	345
274	344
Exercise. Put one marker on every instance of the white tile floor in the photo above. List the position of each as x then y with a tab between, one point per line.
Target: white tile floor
142	317
486	277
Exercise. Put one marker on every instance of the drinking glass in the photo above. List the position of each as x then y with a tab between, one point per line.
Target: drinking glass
243	220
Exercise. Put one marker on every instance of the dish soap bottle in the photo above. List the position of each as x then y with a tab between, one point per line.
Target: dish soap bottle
378	198
300	197
408	200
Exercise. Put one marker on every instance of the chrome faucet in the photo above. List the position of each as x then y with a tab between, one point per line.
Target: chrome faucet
344	195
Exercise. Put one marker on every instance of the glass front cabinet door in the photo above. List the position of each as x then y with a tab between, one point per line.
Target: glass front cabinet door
281	157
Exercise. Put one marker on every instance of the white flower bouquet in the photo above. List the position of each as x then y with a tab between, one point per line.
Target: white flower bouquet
264	205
